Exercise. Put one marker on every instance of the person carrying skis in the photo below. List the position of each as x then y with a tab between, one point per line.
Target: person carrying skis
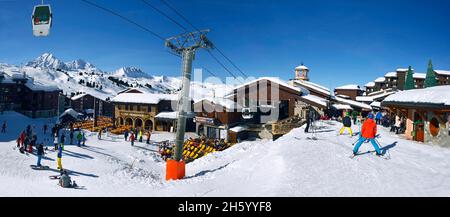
4	127
40	153
132	139
79	138
126	135
59	157
347	122
149	134
368	132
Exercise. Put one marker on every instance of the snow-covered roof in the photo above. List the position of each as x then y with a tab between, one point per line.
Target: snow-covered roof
224	102
302	67
313	86
442	72
353	103
315	99
349	87
391	75
419	75
144	98
364	99
343	96
439	95
271	79
238	129
376	104
79	96
172	115
380	80
403	70
70	112
34	86
342	107
370	84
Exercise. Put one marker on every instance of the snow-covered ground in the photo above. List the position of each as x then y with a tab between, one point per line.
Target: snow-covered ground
290	166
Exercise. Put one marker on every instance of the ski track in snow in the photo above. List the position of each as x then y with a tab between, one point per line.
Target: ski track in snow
290	166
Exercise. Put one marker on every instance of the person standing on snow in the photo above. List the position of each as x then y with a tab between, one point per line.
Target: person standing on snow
59	157
310	119
126	135
132	139
40	153
368	132
71	137
45	129
149	134
4	127
63	140
79	138
347	122
378	117
398	124
99	135
140	135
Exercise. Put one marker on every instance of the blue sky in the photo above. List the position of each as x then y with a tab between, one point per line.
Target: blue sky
340	41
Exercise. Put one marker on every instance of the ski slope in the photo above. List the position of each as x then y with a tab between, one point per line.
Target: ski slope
290	166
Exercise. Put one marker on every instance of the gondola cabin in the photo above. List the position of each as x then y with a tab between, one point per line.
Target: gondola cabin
42	20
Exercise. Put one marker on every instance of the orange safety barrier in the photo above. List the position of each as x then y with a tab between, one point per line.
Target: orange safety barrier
175	170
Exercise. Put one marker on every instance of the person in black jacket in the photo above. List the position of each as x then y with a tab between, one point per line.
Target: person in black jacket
40	153
310	119
347	122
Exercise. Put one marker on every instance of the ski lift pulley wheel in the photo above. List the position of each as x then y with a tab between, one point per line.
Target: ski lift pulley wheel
42	19
246	113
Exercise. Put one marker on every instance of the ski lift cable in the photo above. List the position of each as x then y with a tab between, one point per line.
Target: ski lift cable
125	18
223	66
192	25
164	14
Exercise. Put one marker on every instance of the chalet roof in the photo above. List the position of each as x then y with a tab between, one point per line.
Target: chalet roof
349	87
313	86
370	84
271	79
439	95
391	75
419	75
143	98
35	86
442	72
380	80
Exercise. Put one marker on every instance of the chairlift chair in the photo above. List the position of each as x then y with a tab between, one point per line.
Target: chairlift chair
42	20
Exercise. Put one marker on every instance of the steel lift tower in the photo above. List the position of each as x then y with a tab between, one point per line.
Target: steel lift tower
185	45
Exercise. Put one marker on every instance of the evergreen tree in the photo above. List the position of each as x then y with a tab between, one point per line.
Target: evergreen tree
430	80
409	83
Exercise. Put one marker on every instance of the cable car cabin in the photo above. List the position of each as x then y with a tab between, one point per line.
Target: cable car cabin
42	20
247	114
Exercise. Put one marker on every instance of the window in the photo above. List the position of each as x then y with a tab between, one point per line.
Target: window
434	127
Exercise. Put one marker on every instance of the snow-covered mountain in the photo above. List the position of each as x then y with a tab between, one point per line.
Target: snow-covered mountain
80	76
131	72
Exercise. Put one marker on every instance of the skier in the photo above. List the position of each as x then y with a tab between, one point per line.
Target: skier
126	135
347	122
354	116
149	134
32	143
310	119
132	139
140	135
4	127
22	138
40	153
79	138
71	137
59	157
99	135
378	117
84	139
368	132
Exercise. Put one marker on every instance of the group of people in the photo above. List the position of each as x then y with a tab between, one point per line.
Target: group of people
28	139
137	135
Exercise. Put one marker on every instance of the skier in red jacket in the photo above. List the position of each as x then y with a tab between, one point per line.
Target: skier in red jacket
368	132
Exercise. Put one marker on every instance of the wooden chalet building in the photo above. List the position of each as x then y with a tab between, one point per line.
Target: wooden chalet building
138	109
88	105
427	113
22	94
